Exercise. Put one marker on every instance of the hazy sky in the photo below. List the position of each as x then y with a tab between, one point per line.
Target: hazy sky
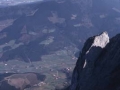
15	2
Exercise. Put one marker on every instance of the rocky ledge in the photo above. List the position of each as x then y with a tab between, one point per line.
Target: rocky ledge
98	66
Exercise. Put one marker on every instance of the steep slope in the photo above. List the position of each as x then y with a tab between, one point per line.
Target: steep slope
98	66
31	31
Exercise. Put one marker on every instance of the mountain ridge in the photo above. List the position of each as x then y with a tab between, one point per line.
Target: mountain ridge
97	67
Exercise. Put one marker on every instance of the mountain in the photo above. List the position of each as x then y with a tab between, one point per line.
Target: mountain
45	37
33	30
98	66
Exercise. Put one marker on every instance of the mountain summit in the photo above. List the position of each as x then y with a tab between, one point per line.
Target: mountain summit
98	66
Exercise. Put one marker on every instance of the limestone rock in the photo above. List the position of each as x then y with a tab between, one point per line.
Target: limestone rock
98	66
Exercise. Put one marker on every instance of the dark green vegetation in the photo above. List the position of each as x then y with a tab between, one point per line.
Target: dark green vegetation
35	30
14	81
56	67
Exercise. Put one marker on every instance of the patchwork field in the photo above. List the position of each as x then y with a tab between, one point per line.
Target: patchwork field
57	68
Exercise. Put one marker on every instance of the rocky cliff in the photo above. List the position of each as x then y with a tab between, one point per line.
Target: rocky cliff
98	66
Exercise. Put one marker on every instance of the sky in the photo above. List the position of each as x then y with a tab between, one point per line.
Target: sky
16	2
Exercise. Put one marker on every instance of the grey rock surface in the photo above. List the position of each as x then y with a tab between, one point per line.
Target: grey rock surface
98	66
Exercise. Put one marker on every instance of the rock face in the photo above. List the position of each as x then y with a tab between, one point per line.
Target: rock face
98	66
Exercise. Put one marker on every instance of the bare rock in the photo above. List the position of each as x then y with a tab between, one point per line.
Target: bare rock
98	66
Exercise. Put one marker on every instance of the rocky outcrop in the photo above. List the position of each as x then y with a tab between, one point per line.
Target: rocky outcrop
98	66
